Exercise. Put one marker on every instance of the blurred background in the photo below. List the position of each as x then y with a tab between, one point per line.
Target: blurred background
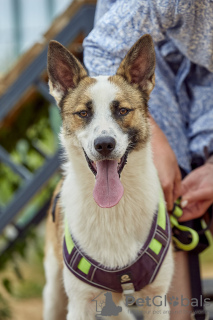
22	23
29	148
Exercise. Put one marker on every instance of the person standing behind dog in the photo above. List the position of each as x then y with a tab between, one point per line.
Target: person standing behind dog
181	104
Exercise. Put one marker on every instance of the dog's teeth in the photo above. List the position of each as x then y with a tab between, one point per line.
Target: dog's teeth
94	165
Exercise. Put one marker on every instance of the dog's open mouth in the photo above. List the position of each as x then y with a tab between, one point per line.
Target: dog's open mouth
108	189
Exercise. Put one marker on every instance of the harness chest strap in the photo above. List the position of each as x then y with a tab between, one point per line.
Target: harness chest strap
132	277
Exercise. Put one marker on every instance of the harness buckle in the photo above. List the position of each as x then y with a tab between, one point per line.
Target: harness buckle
128	291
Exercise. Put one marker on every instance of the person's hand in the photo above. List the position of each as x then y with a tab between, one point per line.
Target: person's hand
197	194
166	165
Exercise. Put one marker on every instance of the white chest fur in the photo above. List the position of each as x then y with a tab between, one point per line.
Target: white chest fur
112	236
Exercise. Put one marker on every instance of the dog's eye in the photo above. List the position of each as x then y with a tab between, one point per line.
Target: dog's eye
83	114
123	111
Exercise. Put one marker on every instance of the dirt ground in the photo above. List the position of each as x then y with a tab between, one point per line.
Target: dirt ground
25	302
28	309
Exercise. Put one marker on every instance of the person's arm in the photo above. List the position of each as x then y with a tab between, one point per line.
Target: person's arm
198	185
197	191
119	24
166	164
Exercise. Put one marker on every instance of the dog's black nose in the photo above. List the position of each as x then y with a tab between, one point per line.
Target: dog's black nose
104	145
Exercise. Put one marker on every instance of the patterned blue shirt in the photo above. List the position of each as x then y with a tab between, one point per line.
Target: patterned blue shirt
182	101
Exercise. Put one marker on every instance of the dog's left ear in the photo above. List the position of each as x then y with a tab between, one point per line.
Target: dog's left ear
64	70
138	66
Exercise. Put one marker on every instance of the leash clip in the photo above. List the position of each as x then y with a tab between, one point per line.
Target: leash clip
188	238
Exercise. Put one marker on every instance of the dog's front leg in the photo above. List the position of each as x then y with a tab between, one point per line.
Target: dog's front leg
81	304
54	296
79	311
154	296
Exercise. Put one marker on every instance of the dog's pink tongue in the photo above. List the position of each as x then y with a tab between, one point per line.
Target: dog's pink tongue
108	189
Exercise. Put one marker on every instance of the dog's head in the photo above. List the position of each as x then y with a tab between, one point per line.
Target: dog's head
106	117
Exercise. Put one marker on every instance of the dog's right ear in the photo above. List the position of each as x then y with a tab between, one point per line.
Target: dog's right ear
64	70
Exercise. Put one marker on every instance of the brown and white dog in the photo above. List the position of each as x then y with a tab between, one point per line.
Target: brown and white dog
109	215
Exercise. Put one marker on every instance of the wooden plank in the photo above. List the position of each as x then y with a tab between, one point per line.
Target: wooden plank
60	22
19	66
30	95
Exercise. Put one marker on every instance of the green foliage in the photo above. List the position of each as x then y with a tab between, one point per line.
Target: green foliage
29	137
19	249
25	258
29	289
7	285
8	186
32	136
5	311
207	255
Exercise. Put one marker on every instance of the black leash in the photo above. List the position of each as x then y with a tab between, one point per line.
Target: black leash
195	280
191	237
194	265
